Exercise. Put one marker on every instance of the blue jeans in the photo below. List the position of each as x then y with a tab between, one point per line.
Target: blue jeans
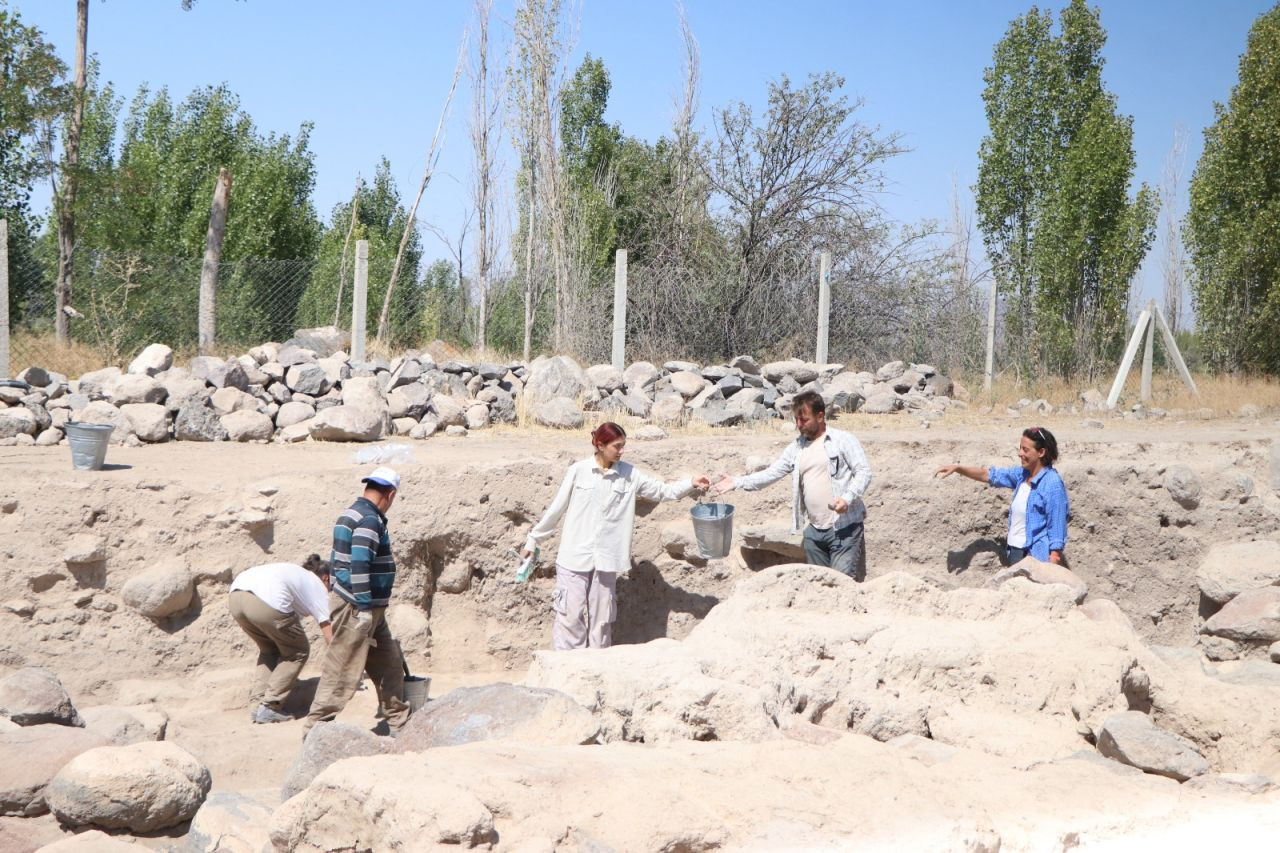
840	549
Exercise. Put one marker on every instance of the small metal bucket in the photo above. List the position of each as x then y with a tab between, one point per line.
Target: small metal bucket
713	528
416	688
88	444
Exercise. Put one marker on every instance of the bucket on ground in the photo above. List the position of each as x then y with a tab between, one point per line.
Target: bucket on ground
713	528
416	688
88	444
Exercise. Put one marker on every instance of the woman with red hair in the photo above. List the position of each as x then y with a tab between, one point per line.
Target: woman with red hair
597	501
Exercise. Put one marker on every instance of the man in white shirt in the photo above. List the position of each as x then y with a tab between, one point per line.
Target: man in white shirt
268	601
829	475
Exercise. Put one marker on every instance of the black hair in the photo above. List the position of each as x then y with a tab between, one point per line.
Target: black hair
810	401
1043	440
317	566
380	488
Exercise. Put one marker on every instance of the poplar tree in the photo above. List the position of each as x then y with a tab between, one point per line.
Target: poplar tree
1233	226
1064	236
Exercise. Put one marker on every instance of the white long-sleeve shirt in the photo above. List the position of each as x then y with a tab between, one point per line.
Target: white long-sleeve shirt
286	587
598	506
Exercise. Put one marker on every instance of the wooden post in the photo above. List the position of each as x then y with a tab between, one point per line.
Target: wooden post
824	306
1148	355
359	297
1130	351
4	299
620	310
1174	352
989	371
212	255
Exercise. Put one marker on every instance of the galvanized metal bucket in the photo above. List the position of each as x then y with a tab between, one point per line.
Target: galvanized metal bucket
416	688
713	528
88	444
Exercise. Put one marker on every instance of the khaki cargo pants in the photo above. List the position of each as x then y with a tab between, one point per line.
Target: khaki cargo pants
362	643
282	647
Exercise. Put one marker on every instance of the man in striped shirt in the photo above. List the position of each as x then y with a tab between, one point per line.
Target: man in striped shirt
363	573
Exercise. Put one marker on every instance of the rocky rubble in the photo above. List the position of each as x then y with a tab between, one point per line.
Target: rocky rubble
308	388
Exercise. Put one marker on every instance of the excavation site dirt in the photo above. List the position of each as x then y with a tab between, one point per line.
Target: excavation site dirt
750	702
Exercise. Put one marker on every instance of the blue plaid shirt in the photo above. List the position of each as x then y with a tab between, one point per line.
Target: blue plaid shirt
1047	507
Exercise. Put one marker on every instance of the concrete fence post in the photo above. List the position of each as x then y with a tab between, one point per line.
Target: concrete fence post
989	371
359	299
212	256
824	306
1148	355
4	299
620	310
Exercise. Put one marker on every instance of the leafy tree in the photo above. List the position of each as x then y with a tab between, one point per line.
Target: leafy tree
380	219
1053	191
32	97
1233	226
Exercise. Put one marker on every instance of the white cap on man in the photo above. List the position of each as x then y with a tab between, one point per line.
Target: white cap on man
383	477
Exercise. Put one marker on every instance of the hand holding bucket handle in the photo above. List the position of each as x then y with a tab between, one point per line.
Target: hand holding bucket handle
723	484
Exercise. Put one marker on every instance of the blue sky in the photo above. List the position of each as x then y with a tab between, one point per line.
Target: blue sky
373	79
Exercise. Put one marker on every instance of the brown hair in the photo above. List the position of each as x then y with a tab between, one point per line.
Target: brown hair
317	566
810	401
606	433
1043	440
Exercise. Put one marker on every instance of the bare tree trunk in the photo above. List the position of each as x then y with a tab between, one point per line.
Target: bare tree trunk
433	155
528	268
342	268
66	205
1172	260
482	122
212	256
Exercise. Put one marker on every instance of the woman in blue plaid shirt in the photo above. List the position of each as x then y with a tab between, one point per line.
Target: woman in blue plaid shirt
1038	515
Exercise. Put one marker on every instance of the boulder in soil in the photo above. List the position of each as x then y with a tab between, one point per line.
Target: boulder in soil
1183	486
197	421
247	425
1130	737
102	412
33	696
159	591
133	388
1232	568
230	822
123	726
530	715
154	358
325	744
558	413
554	377
150	421
143	787
1252	616
347	423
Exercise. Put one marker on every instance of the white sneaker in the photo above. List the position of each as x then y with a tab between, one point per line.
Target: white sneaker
266	715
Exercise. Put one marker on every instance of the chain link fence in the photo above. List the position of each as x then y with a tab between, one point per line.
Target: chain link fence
124	301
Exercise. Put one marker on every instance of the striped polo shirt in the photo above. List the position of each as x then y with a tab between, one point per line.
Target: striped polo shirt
363	567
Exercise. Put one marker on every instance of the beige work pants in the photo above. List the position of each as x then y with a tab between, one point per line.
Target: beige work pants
586	606
282	647
362	643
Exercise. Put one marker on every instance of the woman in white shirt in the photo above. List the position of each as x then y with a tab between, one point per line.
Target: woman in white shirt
268	602
597	501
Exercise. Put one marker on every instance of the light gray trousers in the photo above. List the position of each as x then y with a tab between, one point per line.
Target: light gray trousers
586	605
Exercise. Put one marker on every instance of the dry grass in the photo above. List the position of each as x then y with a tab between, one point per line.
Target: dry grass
1221	392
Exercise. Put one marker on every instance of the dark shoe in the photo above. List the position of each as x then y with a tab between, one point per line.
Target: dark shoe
266	715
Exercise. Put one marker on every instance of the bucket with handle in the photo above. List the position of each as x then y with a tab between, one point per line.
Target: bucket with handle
416	687
88	444
713	528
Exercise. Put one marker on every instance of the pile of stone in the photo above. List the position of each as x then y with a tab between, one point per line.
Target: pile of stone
309	387
1240	586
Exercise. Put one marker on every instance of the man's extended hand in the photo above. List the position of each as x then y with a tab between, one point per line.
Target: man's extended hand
722	485
840	505
701	483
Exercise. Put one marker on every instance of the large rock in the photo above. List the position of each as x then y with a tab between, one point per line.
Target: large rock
150	421
102	412
639	376
308	379
1131	738
123	726
294	413
1038	572
180	388
159	591
527	715
30	757
347	423
219	373
881	403
448	411
84	548
687	383
228	400
1183	486
230	822
667	410
557	376
1252	616
133	388
325	744
409	401
34	695
143	787
18	421
1232	568
197	421
606	378
322	340
774	538
559	413
248	426
97	384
